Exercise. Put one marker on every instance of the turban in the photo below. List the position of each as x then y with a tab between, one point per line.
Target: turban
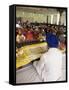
52	40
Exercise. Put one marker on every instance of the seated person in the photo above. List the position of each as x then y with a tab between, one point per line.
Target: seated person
29	36
49	67
20	37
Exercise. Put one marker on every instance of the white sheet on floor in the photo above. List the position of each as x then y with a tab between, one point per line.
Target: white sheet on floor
27	75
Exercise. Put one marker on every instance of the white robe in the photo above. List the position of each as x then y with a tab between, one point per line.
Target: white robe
49	67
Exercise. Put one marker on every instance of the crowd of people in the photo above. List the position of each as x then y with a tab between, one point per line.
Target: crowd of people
49	66
27	32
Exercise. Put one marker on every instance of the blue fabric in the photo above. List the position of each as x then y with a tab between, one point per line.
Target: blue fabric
52	40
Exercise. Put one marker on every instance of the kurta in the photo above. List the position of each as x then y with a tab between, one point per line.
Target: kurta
49	67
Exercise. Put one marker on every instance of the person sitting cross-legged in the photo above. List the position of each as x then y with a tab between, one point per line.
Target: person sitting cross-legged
49	67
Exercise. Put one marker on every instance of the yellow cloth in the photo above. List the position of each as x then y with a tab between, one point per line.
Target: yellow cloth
30	53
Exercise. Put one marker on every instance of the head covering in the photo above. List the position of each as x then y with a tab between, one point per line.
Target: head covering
52	40
18	26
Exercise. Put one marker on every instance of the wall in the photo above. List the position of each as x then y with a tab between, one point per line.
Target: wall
42	17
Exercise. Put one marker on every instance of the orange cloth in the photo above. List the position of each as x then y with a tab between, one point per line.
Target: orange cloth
29	35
